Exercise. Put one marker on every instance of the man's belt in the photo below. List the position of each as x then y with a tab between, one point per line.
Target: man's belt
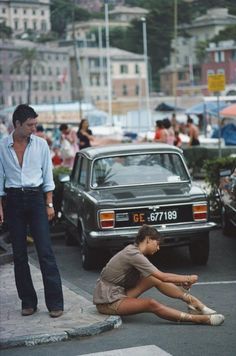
24	189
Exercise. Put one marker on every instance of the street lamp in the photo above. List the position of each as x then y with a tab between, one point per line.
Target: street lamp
175	54
109	88
146	66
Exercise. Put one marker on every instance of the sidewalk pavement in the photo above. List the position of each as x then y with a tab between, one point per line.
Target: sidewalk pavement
80	316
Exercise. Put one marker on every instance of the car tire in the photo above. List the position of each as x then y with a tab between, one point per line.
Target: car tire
70	240
199	250
88	256
227	226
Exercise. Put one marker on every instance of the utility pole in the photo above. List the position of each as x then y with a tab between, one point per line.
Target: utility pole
109	86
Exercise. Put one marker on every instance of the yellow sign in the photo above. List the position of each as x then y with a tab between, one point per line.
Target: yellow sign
216	82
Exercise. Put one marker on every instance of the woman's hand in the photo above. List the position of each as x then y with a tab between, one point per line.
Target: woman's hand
193	278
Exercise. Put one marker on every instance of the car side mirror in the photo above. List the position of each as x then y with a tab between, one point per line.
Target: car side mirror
64	178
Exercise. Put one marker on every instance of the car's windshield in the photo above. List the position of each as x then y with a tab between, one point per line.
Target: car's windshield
133	169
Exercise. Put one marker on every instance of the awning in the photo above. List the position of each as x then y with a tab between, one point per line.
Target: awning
229	111
209	107
166	107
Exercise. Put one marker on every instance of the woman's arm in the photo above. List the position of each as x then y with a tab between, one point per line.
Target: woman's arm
182	280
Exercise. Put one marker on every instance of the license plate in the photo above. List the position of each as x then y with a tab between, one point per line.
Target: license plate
156	217
162	216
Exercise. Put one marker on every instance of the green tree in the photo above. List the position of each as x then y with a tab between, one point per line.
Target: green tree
229	33
27	58
5	31
64	12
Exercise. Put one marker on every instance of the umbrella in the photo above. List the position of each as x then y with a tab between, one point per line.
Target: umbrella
166	107
209	107
229	111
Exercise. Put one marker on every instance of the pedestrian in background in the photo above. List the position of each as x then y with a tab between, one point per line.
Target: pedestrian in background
170	131
129	274
161	133
69	145
84	134
27	181
193	132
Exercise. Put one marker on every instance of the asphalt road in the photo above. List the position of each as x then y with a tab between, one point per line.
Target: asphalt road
217	288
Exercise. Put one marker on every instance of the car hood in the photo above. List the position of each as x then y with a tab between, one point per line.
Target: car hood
175	193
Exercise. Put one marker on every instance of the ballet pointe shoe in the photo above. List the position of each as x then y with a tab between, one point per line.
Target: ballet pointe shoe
216	319
204	311
201	310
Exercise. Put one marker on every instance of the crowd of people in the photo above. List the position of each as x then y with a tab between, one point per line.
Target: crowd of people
64	148
68	141
168	131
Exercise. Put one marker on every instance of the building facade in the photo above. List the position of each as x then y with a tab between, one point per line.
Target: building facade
221	59
128	74
186	56
50	74
22	16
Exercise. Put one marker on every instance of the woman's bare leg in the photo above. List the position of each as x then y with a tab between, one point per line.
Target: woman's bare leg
131	306
169	289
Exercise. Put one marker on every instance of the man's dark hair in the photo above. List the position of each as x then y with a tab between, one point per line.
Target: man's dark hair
63	127
149	231
22	113
189	120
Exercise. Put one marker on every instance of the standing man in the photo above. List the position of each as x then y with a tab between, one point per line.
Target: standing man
27	181
193	133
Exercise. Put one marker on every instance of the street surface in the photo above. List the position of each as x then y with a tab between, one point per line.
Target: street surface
216	287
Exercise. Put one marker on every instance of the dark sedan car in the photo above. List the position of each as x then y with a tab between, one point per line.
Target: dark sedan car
228	199
113	190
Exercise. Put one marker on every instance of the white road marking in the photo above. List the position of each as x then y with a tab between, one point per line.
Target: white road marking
218	282
148	350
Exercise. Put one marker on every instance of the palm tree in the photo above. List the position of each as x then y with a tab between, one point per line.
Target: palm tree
26	59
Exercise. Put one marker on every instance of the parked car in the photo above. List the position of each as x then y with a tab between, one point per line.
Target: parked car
114	190
228	201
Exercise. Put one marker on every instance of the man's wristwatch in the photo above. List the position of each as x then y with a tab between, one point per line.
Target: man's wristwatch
49	205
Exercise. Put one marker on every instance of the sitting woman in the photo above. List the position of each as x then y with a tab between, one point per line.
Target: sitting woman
129	274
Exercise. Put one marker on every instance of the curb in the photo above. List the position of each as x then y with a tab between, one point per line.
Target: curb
112	322
7	255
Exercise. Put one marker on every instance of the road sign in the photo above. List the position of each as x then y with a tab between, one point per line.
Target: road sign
216	82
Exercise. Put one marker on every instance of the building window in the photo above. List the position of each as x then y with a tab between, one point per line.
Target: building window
25	25
137	71
3	10
58	86
25	11
42	12
234	54
181	75
15	11
219	56
137	90
44	26
123	69
124	90
33	12
34	25
49	71
35	86
16	24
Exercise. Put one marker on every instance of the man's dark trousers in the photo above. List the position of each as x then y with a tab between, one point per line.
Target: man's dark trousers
23	209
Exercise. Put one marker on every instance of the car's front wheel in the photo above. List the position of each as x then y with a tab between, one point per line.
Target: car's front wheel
199	250
88	256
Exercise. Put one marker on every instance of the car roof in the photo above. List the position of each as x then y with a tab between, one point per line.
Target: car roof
120	149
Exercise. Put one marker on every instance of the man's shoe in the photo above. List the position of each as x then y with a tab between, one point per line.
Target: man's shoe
55	313
28	311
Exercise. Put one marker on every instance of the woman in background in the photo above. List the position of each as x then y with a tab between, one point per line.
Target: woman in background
84	134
